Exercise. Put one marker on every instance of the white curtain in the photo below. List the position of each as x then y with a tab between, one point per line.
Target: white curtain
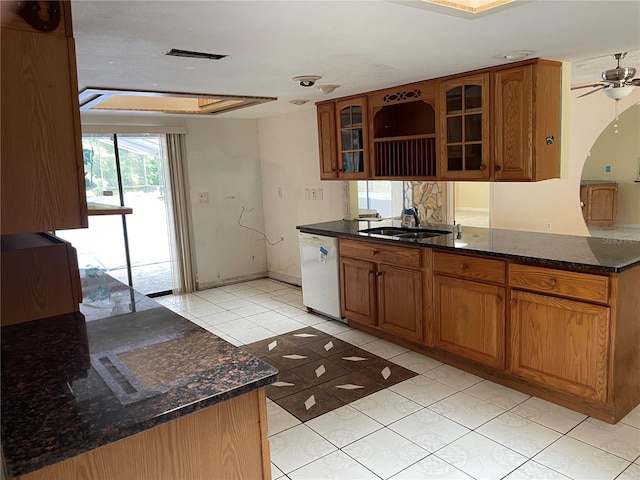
178	221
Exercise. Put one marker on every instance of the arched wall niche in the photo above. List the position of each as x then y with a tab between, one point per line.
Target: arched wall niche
615	157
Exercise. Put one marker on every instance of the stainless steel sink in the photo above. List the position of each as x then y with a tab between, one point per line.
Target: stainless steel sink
405	232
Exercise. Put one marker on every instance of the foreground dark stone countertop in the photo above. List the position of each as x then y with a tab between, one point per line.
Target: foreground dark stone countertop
582	253
75	382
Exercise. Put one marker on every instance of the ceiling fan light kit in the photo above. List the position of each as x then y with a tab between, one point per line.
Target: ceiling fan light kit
616	83
618	93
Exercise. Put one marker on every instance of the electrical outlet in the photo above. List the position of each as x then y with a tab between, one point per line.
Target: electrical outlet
345	210
345	192
607	168
204	197
548	225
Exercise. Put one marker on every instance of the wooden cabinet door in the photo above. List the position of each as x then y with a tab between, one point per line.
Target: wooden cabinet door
601	204
400	301
464	128
358	292
327	141
42	166
469	320
513	123
560	344
352	139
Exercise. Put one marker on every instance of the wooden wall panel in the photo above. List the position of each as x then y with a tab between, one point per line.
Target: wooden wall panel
225	441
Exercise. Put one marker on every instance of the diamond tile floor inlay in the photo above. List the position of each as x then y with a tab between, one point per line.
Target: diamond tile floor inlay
319	373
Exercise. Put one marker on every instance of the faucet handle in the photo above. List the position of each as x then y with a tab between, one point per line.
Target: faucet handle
416	215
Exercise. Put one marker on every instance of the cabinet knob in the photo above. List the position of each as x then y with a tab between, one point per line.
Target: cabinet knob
374	252
463	266
498	168
553	282
483	167
378	274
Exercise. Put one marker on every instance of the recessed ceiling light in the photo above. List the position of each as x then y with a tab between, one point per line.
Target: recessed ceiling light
298	102
327	88
516	55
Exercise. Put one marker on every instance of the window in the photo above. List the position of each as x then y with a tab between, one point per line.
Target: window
384	197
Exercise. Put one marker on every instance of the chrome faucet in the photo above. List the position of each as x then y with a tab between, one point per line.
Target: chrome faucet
416	216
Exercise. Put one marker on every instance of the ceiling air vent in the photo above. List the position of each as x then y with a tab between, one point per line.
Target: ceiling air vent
188	53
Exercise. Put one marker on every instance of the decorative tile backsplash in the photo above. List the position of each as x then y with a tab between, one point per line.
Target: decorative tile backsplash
430	198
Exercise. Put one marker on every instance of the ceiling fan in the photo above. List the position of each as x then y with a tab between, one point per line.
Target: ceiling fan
616	82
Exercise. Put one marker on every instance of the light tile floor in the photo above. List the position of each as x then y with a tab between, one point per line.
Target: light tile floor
441	424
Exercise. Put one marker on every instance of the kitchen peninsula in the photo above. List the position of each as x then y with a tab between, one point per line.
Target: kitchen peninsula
555	316
130	390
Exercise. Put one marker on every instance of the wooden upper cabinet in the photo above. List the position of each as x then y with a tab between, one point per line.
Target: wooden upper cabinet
464	128
327	141
352	138
43	184
500	123
404	131
526	119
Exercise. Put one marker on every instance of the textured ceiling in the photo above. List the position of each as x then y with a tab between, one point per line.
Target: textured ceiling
359	45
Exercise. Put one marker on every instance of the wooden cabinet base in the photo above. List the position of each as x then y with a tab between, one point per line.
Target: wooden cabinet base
610	413
227	440
40	277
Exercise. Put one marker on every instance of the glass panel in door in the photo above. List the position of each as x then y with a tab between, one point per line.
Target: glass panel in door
142	236
464	128
351	141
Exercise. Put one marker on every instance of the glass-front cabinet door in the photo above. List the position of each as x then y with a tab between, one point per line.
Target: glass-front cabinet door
464	105
353	146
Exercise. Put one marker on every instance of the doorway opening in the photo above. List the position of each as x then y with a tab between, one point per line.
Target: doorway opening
472	203
127	170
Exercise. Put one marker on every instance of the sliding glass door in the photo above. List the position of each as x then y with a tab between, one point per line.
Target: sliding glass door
127	171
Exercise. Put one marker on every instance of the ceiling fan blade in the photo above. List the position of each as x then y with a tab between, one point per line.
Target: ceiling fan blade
593	91
588	86
635	82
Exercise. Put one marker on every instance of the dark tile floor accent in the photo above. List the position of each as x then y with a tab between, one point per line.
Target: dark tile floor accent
319	373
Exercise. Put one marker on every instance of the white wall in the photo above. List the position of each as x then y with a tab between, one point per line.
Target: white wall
222	160
530	206
289	154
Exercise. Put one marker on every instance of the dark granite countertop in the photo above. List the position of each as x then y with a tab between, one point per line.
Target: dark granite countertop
75	382
583	253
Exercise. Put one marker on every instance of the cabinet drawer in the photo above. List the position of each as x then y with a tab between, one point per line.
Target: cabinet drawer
469	267
375	252
582	286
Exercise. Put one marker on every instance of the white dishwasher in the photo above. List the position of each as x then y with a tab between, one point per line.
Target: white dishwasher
320	270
